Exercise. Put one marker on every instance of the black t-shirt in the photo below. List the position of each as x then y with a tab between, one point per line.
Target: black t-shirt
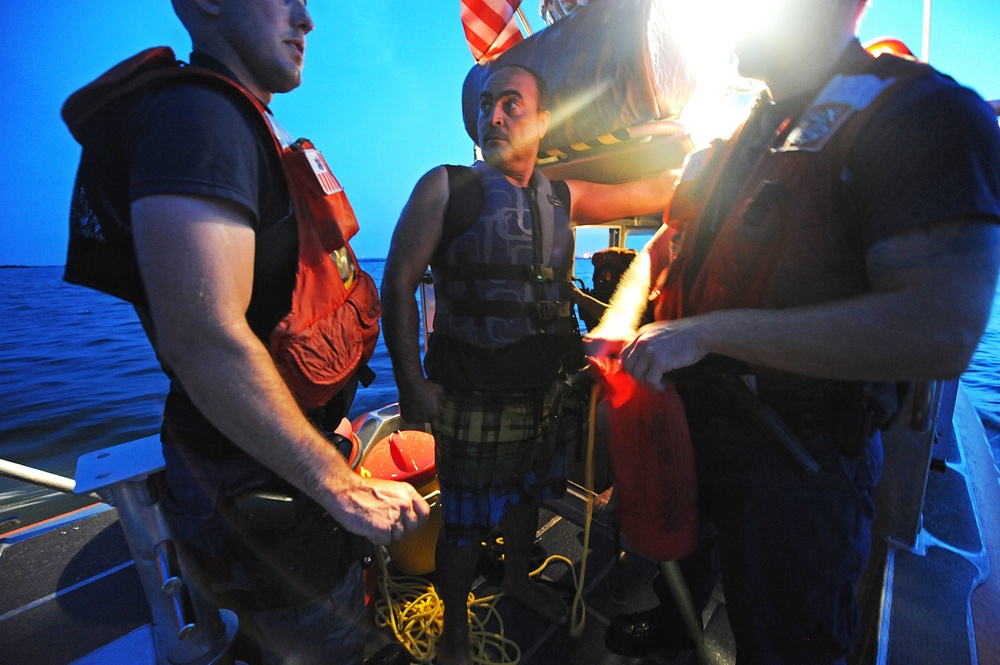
930	156
192	138
196	139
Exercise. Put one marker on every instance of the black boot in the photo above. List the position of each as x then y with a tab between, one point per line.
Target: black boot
390	654
662	627
640	633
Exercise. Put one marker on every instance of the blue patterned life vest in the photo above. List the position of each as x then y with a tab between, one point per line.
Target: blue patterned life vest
509	275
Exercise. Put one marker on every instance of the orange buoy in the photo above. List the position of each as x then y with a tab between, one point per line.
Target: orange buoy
654	467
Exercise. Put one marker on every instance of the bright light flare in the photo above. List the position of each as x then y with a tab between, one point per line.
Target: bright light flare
707	30
718	24
629	300
574	105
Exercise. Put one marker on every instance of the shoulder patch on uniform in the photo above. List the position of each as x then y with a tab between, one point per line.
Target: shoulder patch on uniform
841	98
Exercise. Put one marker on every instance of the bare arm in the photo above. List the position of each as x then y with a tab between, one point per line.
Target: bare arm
589	304
196	259
931	297
593	203
414	241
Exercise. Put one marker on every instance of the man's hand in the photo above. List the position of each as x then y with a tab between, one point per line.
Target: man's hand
664	346
422	402
605	347
380	510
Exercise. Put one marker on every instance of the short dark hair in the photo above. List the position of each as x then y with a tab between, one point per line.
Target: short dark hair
543	88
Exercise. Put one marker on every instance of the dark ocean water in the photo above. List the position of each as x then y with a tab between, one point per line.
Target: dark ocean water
77	374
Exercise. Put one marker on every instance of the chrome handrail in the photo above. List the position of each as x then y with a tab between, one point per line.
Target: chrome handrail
33	476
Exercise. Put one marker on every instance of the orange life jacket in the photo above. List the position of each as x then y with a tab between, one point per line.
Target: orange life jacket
332	326
783	243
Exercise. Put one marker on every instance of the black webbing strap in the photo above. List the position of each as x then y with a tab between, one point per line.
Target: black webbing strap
532	273
547	310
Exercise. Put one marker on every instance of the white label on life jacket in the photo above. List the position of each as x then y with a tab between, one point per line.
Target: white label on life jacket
323	174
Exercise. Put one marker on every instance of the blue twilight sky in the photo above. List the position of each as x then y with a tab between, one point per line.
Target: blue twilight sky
380	95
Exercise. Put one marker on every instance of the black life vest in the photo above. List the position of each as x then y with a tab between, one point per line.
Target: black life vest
509	275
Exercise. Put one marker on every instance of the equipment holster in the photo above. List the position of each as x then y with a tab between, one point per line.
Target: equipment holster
864	411
568	401
292	551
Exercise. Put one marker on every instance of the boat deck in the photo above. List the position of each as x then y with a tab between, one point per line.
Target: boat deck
984	481
72	590
68	587
617	581
68	591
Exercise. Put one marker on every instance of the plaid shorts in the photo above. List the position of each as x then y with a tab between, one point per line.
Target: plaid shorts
495	449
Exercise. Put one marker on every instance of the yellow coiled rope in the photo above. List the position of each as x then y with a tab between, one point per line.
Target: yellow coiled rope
411	608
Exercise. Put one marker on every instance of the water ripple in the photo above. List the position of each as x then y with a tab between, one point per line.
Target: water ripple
77	374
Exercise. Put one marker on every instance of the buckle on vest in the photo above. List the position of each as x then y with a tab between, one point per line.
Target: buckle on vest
548	310
542	273
346	267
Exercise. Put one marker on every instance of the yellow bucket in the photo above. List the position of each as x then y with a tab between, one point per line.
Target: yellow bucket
413	554
408	456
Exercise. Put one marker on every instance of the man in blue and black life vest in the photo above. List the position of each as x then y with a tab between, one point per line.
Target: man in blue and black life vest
845	239
497	237
231	241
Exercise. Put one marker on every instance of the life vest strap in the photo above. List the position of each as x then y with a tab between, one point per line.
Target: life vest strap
535	272
546	310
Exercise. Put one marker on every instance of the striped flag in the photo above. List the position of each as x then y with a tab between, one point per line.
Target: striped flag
323	174
490	26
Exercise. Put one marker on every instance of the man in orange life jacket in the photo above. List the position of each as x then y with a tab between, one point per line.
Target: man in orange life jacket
194	169
844	239
501	251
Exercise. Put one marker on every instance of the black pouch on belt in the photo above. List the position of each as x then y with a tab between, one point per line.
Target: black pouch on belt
292	551
569	408
865	409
